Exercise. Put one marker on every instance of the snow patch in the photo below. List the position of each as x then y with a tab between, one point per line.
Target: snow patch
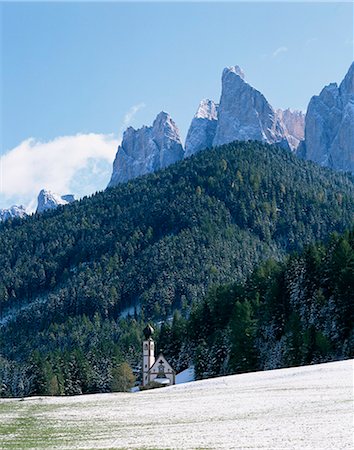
186	376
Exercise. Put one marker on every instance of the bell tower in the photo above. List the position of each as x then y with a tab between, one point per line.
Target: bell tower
148	353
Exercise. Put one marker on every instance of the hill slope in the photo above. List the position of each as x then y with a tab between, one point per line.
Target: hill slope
168	236
158	242
306	407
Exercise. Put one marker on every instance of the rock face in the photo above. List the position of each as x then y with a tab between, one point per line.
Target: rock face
147	149
202	130
329	126
50	200
294	125
13	212
244	113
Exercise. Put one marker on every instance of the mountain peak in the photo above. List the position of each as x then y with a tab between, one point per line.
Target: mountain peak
11	213
244	113
147	149
50	200
164	126
201	132
162	117
207	109
234	69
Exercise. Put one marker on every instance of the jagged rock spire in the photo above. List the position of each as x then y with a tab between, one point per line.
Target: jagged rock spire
244	113
147	149
201	132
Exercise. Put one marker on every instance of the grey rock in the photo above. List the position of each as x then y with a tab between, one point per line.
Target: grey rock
13	212
244	113
202	130
50	200
329	126
294	125
147	149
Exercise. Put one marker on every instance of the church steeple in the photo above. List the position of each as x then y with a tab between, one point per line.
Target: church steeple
148	353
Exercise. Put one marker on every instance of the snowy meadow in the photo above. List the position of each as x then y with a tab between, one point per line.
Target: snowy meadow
298	408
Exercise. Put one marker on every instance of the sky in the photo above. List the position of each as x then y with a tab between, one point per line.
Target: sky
74	75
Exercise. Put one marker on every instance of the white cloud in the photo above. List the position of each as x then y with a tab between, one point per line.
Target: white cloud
131	113
279	50
79	165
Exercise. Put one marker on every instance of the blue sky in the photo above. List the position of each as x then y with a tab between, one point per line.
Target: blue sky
93	68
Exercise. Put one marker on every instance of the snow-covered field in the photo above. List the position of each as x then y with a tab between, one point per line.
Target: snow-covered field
299	408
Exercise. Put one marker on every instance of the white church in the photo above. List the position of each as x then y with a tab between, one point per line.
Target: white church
157	370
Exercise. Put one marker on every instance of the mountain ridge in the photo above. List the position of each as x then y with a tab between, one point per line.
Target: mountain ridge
242	114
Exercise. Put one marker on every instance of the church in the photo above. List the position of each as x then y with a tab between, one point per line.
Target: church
155	370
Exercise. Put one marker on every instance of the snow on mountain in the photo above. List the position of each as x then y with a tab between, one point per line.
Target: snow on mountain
14	211
50	200
245	114
202	130
306	407
329	126
147	149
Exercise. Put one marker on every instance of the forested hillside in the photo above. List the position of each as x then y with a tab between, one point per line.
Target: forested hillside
159	243
295	312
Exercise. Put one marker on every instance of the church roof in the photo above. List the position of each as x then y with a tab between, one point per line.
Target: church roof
148	331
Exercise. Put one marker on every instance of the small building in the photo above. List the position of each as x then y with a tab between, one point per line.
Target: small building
158	370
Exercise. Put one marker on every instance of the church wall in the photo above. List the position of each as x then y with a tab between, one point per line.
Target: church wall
167	369
169	375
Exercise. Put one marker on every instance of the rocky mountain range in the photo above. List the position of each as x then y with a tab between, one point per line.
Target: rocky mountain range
329	126
242	114
325	136
46	200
